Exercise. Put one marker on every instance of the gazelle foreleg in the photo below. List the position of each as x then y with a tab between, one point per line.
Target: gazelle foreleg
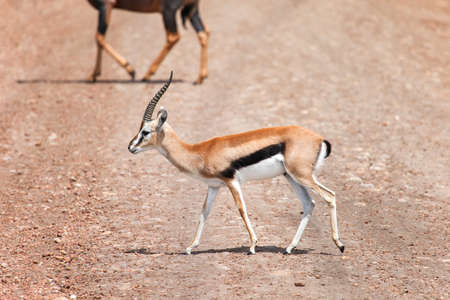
203	36
104	16
308	206
235	189
212	193
172	38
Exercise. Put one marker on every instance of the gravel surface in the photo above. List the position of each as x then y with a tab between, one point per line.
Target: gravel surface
82	218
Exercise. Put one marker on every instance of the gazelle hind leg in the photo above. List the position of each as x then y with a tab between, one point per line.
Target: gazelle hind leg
308	206
330	198
212	193
235	189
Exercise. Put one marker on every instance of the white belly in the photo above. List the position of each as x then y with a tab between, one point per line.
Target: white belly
267	168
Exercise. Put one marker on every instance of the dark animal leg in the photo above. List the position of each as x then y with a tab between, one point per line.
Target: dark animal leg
104	16
203	35
172	38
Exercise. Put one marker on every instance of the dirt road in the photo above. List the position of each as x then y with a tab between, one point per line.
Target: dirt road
82	217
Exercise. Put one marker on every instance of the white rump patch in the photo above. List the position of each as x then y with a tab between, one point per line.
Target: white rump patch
321	156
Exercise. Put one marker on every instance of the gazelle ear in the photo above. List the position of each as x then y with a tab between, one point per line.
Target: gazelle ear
161	117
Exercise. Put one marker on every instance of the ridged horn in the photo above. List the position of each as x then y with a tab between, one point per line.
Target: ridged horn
151	106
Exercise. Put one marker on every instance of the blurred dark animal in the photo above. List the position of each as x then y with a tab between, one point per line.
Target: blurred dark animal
168	9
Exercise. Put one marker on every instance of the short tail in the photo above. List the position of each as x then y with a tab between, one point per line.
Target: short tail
328	148
187	12
324	152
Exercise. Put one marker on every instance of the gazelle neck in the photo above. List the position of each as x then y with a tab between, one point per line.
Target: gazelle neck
178	152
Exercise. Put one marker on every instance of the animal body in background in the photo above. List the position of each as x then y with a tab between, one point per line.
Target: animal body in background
168	8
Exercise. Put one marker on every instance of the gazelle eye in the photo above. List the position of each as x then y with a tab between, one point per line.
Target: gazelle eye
145	133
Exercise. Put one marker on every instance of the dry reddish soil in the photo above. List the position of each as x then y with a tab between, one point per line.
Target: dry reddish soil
80	217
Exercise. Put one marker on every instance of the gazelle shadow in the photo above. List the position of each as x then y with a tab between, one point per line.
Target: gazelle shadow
99	81
259	249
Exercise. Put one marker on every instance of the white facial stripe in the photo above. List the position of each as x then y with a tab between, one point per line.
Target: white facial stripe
139	139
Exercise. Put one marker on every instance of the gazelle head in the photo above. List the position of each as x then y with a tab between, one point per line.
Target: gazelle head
148	135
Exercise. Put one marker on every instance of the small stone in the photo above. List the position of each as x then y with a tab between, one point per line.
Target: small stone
57	240
354	178
367	186
222	267
52	138
378	167
300	284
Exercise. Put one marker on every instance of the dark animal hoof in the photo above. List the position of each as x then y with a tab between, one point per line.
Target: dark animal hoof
285	252
132	74
342	248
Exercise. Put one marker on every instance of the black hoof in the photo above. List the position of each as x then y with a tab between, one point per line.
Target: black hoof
285	252
250	253
93	78
342	248
199	81
132	74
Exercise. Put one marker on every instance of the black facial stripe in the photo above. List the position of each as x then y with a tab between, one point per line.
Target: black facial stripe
253	158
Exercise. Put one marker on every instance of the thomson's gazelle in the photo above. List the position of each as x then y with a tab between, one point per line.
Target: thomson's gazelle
292	151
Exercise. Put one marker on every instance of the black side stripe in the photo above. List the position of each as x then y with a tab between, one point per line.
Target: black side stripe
253	158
